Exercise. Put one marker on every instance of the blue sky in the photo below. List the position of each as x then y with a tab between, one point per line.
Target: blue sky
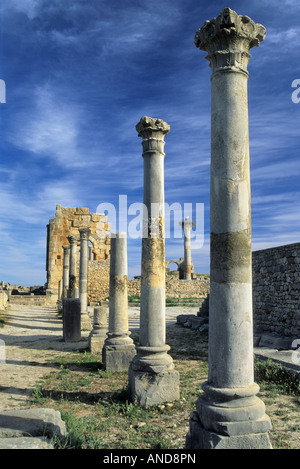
79	76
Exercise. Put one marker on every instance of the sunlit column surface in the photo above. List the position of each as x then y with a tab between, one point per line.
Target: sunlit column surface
230	415
152	376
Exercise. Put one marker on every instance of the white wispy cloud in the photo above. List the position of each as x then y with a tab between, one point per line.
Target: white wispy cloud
49	129
28	7
81	75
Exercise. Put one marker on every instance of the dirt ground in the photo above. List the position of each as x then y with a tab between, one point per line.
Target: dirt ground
30	337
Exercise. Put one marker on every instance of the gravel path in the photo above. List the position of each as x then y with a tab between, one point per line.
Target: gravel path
31	336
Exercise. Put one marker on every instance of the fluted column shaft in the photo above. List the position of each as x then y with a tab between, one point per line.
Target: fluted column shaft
66	267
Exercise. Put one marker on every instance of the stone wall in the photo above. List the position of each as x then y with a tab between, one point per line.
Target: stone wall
276	291
175	288
98	280
98	284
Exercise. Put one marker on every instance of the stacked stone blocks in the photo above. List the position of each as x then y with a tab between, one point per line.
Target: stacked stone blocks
67	223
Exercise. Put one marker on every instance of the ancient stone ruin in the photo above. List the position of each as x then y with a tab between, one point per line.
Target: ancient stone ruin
66	224
87	264
152	378
180	267
118	348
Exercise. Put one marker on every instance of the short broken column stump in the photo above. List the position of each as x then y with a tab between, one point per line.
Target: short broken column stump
118	349
98	335
71	319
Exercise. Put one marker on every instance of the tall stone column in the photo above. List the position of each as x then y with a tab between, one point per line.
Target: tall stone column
118	349
83	277
230	415
72	271
152	377
187	226
66	267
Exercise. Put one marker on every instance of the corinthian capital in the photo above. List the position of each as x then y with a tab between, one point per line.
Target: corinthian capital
228	39
84	233
72	240
152	131
187	225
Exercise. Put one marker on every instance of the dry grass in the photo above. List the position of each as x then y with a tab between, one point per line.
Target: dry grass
99	414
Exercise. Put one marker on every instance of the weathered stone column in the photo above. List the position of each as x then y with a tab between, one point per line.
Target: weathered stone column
83	277
66	266
152	377
98	335
230	415
72	271
187	226
118	349
59	290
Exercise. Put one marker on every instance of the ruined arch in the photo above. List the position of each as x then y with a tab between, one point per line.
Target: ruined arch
67	222
180	264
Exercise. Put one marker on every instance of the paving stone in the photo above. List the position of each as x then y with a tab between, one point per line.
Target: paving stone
25	443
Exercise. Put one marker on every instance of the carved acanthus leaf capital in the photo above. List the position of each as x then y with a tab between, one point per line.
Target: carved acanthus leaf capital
187	224
228	39
72	240
147	124
84	233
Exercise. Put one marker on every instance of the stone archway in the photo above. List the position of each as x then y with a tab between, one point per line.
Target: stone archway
66	223
172	261
180	266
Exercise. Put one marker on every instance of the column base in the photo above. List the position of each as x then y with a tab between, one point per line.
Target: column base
229	418
200	438
96	341
118	351
153	388
152	378
117	358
